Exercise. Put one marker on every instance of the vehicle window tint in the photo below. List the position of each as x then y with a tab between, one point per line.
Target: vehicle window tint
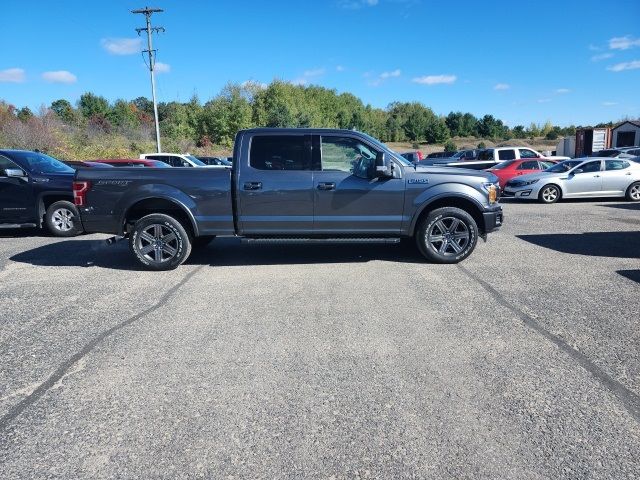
155	157
506	154
503	165
590	167
529	165
281	152
526	153
486	155
346	154
5	163
616	165
547	164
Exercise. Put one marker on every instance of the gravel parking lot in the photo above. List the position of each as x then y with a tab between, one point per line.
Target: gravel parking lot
265	361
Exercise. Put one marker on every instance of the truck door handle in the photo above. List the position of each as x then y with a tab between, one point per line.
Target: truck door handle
326	186
252	185
596	176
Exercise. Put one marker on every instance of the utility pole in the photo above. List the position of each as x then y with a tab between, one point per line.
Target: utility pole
147	12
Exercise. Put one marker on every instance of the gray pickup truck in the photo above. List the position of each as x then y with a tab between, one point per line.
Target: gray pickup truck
292	185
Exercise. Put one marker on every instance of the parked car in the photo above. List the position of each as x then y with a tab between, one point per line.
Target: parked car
132	162
614	153
514	168
295	184
633	151
579	178
499	154
178	160
215	161
87	164
439	155
466	154
35	191
413	157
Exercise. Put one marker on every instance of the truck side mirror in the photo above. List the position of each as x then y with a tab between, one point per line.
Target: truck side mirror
383	165
15	173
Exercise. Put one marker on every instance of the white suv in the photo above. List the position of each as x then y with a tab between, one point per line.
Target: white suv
179	160
500	154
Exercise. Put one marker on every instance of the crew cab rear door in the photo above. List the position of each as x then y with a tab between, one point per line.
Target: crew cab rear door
17	202
275	185
347	200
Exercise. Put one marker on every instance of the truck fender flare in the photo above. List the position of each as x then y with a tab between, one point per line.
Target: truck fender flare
186	210
426	204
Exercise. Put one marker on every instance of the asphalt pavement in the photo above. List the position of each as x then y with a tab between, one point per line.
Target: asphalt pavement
325	361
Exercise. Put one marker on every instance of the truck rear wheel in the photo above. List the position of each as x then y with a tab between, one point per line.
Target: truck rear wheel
447	235
62	219
159	242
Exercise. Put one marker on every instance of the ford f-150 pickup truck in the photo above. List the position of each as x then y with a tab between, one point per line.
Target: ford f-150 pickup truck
292	185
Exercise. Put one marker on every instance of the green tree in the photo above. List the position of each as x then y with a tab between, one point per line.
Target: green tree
24	114
91	105
450	146
63	109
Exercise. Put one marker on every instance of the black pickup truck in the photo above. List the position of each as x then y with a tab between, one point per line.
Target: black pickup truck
292	185
35	191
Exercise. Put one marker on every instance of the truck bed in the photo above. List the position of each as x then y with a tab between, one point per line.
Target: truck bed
203	194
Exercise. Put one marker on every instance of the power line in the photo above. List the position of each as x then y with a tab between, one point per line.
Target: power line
147	12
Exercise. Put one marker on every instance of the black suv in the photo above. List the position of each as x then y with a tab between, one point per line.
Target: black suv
36	191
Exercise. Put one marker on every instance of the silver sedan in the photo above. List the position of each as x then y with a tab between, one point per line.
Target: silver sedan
579	178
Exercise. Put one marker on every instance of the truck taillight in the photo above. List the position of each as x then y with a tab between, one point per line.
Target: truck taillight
80	190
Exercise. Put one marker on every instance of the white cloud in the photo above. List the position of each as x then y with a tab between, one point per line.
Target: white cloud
162	67
340	68
122	46
601	56
316	72
561	91
435	79
609	104
59	76
12	75
502	86
543	100
356	4
392	74
619	67
624	43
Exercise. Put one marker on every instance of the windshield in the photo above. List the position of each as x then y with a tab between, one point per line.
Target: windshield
196	161
40	163
458	154
505	164
564	166
607	153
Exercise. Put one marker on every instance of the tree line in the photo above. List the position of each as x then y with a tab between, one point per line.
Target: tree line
127	125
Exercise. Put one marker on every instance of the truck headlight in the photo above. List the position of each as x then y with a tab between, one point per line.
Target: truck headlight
492	190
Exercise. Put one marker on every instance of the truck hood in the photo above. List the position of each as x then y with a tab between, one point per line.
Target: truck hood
452	171
53	180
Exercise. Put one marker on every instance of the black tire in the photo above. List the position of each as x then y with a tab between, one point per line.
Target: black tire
633	192
447	235
202	241
166	248
62	219
549	194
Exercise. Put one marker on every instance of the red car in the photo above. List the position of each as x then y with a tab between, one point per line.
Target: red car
508	169
132	162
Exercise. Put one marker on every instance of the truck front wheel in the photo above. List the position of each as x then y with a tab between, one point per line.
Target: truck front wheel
447	235
159	242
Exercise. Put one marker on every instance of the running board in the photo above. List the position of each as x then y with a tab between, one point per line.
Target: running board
18	225
320	240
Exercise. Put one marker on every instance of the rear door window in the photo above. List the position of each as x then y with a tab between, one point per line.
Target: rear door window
506	154
590	167
279	152
616	165
529	165
526	153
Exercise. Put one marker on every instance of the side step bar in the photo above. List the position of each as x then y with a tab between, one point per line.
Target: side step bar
284	241
18	225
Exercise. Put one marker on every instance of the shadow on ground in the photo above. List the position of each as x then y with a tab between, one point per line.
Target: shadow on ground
221	252
596	244
633	275
624	206
23	232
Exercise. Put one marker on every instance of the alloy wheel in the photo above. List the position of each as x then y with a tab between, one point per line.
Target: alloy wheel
550	194
634	193
448	236
62	219
157	243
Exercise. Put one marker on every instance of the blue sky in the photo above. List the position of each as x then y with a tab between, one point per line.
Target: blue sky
566	61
